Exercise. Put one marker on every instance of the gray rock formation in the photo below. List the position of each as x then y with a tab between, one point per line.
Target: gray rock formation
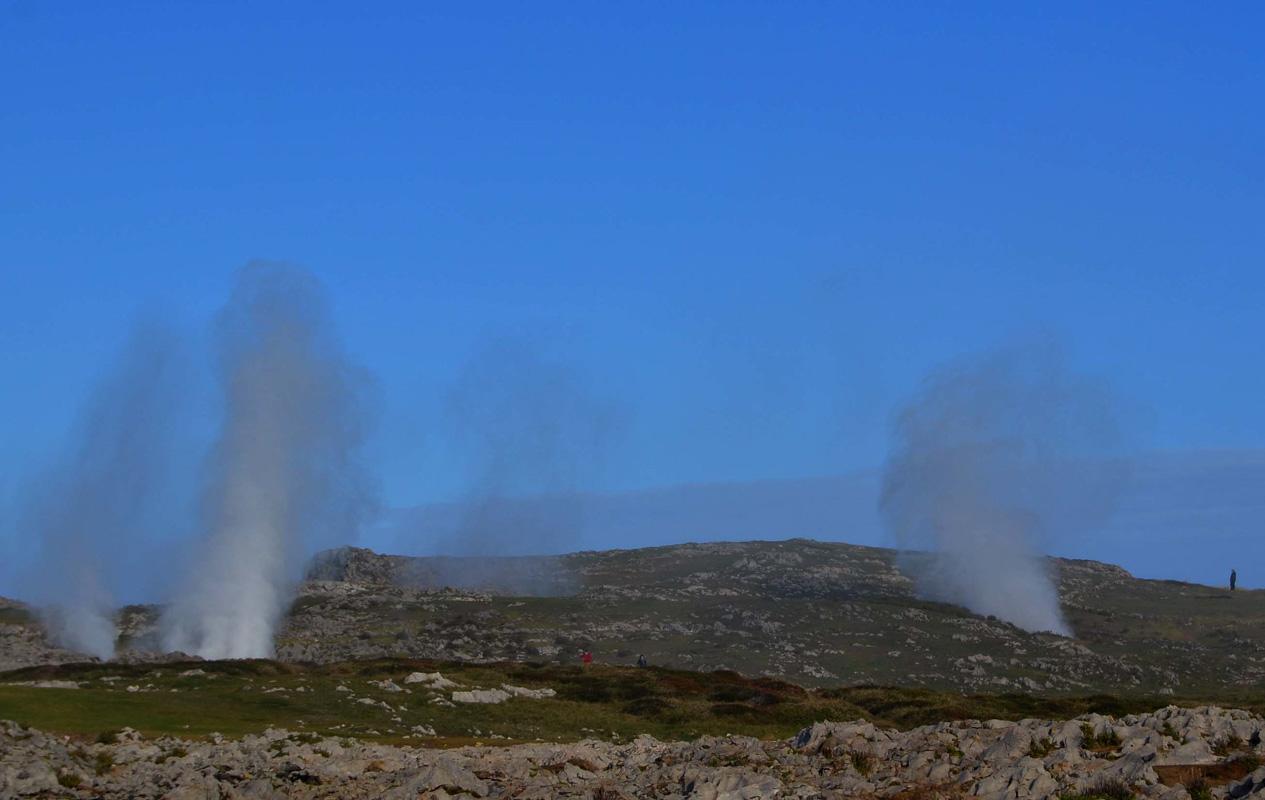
993	760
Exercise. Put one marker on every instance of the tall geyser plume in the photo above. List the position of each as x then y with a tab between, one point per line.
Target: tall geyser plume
992	459
530	430
284	475
102	497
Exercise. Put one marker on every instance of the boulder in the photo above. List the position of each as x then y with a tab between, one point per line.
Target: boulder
487	696
534	694
444	775
1193	752
432	680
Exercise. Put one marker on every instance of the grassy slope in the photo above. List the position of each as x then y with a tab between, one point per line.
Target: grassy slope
601	702
839	606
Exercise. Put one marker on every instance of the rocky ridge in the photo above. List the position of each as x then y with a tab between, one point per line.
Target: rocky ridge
811	612
814	613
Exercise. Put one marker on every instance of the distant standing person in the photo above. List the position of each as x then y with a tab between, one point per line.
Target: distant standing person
641	660
1234	578
586	658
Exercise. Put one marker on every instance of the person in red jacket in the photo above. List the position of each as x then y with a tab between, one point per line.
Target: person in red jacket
586	657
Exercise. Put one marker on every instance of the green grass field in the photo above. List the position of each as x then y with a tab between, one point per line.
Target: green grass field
239	697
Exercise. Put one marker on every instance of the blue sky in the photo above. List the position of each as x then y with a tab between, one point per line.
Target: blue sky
751	227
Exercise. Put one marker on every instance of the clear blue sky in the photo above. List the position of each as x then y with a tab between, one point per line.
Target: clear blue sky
755	226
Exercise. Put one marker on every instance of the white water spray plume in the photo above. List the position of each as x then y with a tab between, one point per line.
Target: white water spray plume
285	479
102	499
531	431
991	460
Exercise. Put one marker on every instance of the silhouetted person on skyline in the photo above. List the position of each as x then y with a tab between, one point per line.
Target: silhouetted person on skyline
1234	578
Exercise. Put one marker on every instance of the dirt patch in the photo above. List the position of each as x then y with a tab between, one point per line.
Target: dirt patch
1235	769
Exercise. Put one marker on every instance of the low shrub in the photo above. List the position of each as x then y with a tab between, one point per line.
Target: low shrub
861	762
1198	789
1106	740
70	780
1227	744
108	737
103	763
647	707
1110	789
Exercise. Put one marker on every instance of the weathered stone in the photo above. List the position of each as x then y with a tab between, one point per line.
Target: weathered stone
1195	752
486	696
444	775
980	759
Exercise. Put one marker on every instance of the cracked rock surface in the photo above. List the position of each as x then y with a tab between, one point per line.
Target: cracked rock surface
985	759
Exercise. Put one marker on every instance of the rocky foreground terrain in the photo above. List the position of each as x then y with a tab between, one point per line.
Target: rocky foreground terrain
354	706
1171	753
819	614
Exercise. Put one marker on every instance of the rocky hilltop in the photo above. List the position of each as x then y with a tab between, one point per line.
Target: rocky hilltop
812	612
1173	753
